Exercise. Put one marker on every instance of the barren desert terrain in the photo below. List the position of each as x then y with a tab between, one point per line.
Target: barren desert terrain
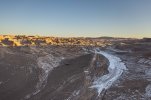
120	70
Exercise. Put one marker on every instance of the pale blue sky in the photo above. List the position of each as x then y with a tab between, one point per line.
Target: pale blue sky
124	18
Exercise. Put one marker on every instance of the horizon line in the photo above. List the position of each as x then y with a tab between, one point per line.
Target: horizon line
75	36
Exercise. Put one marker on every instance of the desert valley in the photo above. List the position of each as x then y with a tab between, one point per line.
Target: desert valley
51	68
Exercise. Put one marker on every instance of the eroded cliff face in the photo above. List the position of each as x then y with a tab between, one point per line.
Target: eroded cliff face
22	40
25	70
46	72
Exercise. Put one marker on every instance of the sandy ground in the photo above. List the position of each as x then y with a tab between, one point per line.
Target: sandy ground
18	74
135	82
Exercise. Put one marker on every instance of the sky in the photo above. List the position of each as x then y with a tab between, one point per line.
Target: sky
76	18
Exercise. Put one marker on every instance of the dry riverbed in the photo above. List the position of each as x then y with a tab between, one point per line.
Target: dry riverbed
75	73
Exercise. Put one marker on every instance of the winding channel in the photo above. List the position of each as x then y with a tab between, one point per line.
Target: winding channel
115	68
